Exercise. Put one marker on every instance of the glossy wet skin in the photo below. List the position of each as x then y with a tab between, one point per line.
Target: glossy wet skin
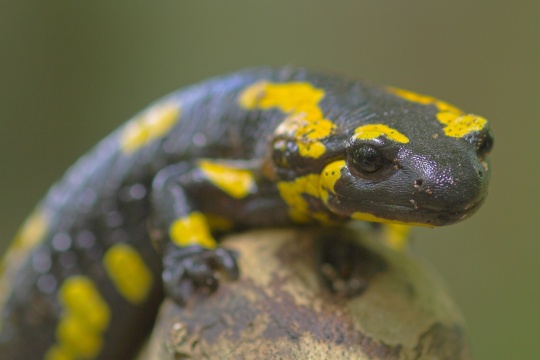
262	147
410	171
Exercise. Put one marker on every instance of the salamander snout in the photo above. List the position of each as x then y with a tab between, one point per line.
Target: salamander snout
452	190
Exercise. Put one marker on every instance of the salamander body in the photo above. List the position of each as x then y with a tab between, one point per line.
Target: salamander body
138	216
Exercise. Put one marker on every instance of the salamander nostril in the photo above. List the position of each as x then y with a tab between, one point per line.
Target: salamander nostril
418	182
480	173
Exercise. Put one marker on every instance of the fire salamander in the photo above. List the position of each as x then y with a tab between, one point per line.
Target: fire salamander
139	215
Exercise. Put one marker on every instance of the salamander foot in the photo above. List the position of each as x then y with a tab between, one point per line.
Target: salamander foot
195	268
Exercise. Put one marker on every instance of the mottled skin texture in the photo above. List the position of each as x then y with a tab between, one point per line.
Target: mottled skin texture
117	191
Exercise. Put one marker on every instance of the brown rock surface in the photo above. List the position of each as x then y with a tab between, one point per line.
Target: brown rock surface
281	309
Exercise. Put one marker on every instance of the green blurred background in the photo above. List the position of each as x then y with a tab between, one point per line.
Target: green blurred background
70	72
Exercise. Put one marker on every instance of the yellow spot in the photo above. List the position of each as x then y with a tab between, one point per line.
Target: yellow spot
329	176
252	96
27	238
396	235
238	183
152	124
82	300
373	131
456	122
85	317
32	231
77	338
292	192
424	99
300	101
372	218
129	273
293	97
192	230
460	125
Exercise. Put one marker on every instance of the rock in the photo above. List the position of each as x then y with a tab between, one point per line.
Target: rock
307	294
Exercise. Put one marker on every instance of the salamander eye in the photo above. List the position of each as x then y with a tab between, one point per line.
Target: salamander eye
367	159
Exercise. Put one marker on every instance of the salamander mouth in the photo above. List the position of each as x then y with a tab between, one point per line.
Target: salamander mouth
448	217
415	214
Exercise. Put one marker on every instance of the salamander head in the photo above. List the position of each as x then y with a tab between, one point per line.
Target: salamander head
347	149
420	162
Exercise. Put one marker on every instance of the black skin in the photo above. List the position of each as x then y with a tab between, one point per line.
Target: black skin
95	207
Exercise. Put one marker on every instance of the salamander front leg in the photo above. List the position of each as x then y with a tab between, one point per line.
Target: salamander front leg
346	265
194	268
192	261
